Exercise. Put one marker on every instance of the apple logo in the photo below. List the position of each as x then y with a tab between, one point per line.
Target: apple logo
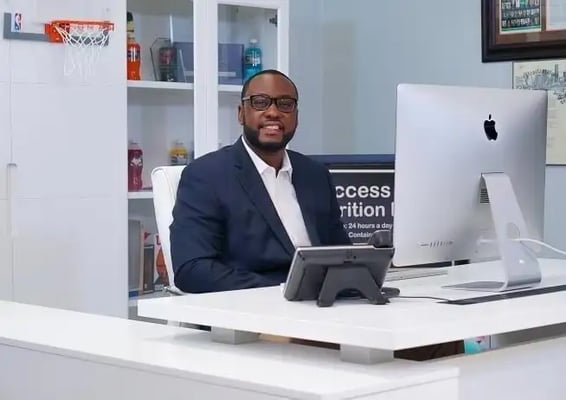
489	128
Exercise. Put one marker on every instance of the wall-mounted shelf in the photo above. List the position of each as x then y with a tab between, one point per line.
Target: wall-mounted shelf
158	85
141	195
229	88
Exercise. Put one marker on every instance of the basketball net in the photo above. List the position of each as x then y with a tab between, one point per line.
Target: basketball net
83	43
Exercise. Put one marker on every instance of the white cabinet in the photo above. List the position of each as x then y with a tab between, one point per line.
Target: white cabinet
63	200
69	199
61	258
4	135
200	107
5	253
5	237
57	154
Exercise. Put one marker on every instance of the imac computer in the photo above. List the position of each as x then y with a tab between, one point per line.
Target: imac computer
470	179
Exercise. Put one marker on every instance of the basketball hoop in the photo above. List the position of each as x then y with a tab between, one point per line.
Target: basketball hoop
83	41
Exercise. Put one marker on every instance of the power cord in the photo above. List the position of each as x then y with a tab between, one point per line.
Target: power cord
540	243
422	297
527	240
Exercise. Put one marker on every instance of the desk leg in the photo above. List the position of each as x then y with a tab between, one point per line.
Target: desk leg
364	355
231	336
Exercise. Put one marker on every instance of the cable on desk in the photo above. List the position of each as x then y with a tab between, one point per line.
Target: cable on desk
540	243
422	297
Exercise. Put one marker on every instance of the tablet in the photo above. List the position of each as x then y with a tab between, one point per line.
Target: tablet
355	264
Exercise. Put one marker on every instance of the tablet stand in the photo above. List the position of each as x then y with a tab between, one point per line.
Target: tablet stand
346	277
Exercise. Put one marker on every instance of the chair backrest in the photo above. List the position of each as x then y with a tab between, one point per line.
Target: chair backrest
165	181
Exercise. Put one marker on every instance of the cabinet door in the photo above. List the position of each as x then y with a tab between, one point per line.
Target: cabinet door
70	198
69	253
6	266
5	238
5	137
4	55
73	142
227	30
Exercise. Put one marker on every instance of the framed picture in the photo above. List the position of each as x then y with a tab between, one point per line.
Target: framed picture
523	29
549	75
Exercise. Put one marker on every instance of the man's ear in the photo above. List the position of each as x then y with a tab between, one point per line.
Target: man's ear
241	114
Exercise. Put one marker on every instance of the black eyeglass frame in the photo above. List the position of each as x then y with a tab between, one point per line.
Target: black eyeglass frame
271	101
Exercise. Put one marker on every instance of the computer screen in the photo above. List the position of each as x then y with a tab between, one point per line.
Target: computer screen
469	176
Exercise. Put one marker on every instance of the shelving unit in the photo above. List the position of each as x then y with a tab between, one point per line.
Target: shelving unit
201	113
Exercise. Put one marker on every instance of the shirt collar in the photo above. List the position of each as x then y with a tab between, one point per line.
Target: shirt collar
262	166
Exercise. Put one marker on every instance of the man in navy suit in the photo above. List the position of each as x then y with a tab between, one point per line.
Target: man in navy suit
242	210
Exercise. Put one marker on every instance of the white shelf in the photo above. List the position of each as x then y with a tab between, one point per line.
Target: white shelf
179	86
141	195
157	85
229	88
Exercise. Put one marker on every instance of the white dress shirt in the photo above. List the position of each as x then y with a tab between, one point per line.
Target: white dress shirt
283	196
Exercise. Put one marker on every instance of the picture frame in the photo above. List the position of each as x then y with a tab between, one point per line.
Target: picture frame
514	30
549	75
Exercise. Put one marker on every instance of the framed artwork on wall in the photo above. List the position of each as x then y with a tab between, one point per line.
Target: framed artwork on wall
549	75
523	29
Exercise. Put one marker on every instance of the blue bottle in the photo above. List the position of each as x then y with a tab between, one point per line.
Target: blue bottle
252	60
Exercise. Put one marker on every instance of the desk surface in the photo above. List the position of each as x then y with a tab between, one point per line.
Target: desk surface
404	323
287	370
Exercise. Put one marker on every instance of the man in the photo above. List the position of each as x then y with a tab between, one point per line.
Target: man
242	210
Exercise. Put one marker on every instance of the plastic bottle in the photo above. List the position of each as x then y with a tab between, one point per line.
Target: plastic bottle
252	60
135	167
179	154
133	52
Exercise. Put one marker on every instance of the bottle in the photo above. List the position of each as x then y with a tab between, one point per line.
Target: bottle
252	60
178	154
135	167
133	52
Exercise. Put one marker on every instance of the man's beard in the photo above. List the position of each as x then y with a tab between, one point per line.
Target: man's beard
252	137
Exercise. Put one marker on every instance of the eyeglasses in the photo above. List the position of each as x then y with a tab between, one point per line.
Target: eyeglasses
262	102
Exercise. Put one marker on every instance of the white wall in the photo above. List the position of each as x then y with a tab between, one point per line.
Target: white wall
67	138
305	55
370	46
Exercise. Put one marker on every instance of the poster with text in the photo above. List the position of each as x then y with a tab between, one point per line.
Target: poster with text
365	197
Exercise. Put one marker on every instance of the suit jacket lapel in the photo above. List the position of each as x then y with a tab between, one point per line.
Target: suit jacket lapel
253	185
306	200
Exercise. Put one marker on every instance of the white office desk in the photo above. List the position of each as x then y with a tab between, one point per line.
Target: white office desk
370	333
53	354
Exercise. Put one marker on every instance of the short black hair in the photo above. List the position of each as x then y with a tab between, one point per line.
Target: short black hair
263	72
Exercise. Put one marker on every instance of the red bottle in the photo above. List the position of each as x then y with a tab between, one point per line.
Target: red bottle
133	52
135	167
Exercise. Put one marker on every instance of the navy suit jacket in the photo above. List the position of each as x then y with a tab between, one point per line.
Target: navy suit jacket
226	233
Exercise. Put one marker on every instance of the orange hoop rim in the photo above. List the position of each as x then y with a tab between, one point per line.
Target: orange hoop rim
54	35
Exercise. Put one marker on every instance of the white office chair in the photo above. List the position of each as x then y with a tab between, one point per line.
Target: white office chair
165	181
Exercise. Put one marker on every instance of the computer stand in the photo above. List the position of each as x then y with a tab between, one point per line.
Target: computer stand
520	264
339	278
